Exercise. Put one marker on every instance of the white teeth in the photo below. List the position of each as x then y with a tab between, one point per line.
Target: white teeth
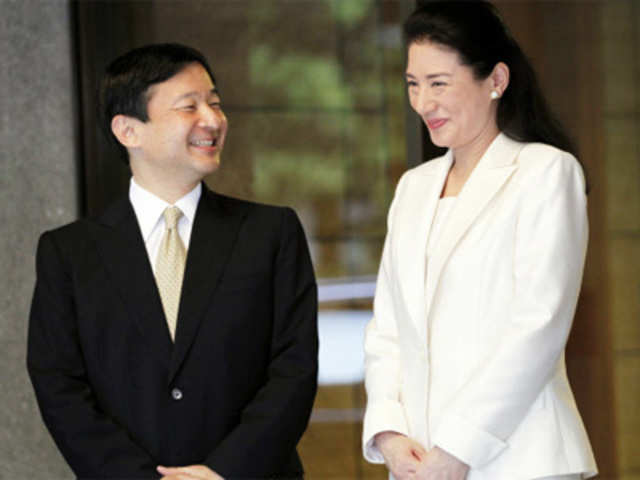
203	143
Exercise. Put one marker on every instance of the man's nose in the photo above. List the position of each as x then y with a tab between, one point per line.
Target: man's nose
212	116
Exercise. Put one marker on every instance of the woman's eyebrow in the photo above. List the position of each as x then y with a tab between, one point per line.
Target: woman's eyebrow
430	76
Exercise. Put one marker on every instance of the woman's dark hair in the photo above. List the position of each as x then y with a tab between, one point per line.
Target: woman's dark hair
125	84
476	32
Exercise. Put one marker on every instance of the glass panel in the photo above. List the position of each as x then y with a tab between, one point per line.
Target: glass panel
317	114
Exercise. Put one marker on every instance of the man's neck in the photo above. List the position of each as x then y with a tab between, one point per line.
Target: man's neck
170	192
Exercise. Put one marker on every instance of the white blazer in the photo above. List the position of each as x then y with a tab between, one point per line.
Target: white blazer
469	355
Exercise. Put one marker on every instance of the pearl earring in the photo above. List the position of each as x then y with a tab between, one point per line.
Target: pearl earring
494	95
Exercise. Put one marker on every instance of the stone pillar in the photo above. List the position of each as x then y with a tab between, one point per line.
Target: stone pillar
38	191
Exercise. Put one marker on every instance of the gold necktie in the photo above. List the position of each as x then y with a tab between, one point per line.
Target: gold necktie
170	268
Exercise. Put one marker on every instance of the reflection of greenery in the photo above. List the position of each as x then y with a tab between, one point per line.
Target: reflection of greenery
281	174
350	12
367	88
304	79
262	11
330	132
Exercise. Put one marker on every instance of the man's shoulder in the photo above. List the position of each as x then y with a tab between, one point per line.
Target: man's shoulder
249	208
84	228
70	231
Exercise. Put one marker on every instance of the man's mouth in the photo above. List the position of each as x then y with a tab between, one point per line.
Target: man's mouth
212	142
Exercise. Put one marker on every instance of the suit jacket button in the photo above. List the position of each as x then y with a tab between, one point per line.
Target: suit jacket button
176	394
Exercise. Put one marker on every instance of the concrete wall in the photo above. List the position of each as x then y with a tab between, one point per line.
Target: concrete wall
37	192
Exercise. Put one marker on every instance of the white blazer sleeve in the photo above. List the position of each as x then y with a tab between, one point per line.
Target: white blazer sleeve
551	240
382	362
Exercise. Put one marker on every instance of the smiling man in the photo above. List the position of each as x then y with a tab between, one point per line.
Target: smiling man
174	336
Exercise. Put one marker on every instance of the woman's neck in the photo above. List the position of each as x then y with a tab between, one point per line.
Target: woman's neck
466	158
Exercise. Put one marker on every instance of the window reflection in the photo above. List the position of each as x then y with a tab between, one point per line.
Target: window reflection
320	126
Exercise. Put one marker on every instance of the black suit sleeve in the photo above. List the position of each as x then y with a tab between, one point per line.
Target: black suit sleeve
93	444
273	422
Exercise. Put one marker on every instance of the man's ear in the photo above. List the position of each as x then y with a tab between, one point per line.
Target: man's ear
125	129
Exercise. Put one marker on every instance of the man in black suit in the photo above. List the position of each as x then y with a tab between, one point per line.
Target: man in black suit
138	373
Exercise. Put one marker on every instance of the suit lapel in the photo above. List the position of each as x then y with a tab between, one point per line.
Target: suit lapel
423	194
214	233
494	168
124	254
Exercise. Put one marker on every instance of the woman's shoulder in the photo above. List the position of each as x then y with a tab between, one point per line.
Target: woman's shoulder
544	164
542	156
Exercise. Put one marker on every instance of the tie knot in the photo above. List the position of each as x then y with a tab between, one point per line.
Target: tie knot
171	217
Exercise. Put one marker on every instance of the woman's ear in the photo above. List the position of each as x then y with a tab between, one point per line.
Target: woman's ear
124	128
500	78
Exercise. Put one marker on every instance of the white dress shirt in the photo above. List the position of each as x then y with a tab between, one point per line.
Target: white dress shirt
149	209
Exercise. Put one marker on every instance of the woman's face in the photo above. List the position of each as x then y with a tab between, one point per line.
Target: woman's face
456	108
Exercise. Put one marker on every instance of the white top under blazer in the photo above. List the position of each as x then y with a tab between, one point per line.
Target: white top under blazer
468	354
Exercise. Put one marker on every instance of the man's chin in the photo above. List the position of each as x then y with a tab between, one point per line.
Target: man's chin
207	165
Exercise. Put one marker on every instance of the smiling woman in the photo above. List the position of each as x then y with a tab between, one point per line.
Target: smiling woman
465	368
458	110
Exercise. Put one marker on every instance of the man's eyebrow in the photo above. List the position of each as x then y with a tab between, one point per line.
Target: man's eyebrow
213	91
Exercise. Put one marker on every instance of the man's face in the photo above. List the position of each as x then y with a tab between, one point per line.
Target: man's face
184	135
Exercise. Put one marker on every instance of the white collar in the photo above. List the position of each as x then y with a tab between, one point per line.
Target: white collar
149	207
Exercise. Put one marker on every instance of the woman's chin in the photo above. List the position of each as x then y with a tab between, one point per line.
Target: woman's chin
438	140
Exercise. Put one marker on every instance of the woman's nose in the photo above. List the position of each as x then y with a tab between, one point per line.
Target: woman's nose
424	103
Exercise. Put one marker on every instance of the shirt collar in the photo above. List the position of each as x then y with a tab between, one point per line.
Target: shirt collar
149	208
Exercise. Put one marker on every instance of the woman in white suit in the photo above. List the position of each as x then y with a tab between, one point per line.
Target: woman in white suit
481	270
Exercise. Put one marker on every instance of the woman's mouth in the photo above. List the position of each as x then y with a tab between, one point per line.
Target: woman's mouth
436	123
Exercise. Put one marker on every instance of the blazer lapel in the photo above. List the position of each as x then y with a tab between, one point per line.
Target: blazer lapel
423	193
124	254
214	233
492	171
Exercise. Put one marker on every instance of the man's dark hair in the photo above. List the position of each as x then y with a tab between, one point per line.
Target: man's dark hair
124	89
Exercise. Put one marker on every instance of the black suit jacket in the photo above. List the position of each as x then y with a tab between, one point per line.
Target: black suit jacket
236	389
